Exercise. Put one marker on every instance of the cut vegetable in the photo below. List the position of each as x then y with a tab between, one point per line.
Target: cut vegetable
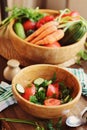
39	81
29	91
52	102
20	88
53	90
41	89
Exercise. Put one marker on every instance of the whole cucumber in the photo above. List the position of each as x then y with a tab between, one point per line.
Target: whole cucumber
19	30
74	33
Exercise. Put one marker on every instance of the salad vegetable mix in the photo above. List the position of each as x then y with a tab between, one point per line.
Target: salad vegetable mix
65	27
46	92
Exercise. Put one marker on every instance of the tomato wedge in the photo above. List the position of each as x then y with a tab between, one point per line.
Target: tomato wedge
53	90
29	91
52	102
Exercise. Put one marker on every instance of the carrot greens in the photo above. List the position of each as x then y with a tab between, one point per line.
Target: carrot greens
19	13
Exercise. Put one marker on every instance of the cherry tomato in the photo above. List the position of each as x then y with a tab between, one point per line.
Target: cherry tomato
44	20
55	44
29	91
29	25
52	102
53	90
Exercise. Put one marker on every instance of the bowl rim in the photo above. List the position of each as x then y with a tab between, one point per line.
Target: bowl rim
77	97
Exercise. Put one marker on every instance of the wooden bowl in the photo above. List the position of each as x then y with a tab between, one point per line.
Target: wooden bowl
30	73
38	54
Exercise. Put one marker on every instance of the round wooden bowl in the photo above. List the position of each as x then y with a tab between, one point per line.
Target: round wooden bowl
38	54
30	73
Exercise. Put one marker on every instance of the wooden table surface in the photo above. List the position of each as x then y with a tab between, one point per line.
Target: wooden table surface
15	111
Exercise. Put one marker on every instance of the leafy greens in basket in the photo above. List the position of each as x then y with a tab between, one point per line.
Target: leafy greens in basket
19	13
70	22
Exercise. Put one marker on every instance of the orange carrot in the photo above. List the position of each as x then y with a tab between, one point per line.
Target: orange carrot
41	29
53	37
46	32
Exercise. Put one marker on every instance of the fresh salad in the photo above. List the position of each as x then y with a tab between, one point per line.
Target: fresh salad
46	92
44	29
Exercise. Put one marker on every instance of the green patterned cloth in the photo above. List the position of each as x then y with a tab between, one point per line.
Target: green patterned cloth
6	96
82	77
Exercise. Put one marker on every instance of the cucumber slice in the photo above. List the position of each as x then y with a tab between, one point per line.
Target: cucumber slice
41	89
20	88
38	81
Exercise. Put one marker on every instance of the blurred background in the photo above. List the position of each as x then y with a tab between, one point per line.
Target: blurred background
77	5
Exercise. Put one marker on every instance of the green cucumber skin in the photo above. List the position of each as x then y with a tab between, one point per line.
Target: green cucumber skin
73	34
19	30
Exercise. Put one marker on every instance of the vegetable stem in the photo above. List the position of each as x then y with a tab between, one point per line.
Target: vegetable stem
62	12
49	125
19	121
18	13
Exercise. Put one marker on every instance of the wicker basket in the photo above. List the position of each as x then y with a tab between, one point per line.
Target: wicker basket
37	54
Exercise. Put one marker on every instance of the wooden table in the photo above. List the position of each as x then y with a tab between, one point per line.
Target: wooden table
15	111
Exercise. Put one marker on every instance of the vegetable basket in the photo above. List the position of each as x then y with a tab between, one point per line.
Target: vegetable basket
28	53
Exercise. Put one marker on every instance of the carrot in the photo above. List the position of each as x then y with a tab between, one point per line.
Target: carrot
53	37
46	32
41	29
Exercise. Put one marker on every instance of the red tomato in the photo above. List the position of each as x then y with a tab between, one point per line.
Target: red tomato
44	20
56	85
55	44
49	18
29	91
53	90
29	25
74	14
40	23
52	102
